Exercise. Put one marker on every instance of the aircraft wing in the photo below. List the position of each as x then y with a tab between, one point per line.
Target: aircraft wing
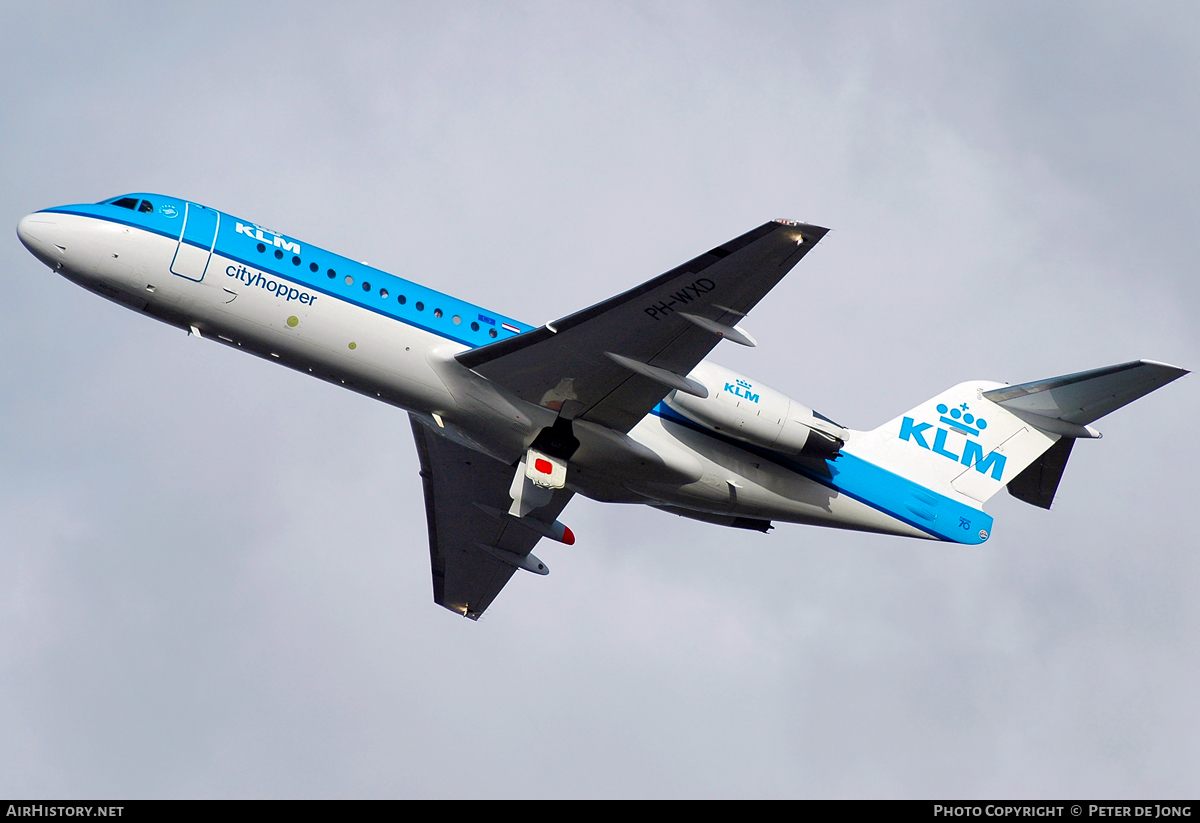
612	363
460	486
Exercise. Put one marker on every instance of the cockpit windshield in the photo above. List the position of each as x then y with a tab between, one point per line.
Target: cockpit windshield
132	203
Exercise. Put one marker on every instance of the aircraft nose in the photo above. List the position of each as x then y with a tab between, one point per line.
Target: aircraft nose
37	232
25	230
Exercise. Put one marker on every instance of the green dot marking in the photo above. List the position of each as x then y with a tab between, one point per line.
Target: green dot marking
293	321
353	345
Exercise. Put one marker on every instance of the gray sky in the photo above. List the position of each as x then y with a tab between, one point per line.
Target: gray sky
214	574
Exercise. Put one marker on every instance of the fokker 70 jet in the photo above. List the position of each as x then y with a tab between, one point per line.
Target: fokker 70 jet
615	402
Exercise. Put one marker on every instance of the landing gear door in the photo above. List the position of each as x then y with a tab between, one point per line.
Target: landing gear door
196	241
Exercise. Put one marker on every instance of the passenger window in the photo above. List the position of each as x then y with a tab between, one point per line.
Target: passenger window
127	203
146	207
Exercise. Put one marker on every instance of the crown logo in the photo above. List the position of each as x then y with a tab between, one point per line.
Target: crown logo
961	419
744	384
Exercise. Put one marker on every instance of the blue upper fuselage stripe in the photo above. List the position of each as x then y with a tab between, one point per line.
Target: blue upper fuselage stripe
358	302
867	483
227	238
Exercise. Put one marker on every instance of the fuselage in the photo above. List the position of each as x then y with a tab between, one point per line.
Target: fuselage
251	288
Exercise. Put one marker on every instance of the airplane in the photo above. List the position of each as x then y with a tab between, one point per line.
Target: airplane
615	402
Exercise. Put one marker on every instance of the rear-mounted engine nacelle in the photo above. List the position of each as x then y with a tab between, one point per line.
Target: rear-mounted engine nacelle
748	411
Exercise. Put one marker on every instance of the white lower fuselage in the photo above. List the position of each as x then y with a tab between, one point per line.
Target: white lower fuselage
661	461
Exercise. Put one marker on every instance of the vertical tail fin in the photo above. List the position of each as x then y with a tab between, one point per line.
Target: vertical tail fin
978	437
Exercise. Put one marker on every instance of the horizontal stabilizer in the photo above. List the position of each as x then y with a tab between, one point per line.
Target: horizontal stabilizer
1038	483
1081	398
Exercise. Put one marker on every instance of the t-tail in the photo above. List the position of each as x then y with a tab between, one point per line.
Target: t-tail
979	437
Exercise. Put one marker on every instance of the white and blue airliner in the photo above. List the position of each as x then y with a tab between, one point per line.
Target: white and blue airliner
615	402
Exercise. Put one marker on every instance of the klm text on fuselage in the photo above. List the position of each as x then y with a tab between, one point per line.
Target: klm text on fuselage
277	240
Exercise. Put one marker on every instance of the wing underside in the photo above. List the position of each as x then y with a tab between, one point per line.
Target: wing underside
466	497
612	363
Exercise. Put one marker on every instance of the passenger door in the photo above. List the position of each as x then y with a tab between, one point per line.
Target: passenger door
196	241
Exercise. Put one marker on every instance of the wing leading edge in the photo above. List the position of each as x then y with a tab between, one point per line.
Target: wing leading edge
473	543
612	363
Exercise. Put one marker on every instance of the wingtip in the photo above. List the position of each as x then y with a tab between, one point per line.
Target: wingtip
812	228
1179	371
